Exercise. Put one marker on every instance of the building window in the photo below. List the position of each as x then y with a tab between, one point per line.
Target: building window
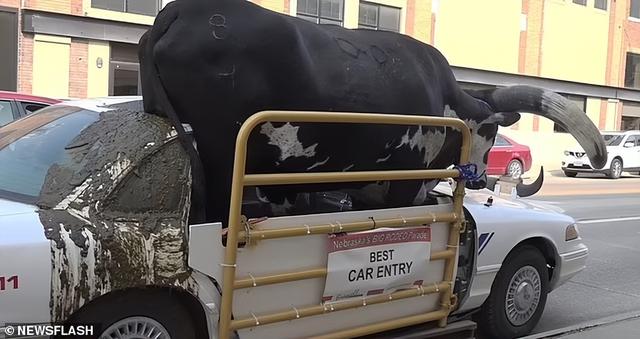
630	116
144	7
578	100
634	10
600	4
124	70
632	71
8	50
580	2
321	11
379	17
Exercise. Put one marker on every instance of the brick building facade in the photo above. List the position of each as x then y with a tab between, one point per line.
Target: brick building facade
588	50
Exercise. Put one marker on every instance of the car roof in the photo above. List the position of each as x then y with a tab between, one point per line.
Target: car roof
27	97
98	104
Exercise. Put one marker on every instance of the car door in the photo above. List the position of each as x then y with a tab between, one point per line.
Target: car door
632	154
25	265
499	156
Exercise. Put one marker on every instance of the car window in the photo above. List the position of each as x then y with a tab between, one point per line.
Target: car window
31	107
6	113
25	161
500	141
613	139
633	139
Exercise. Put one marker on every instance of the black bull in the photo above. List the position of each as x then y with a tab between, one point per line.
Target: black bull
213	63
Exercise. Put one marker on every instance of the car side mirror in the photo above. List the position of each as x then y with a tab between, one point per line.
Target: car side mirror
629	144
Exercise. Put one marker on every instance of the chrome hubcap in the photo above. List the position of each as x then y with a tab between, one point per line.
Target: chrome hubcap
515	170
617	168
136	328
523	295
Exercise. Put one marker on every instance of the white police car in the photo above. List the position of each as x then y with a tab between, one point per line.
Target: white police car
93	229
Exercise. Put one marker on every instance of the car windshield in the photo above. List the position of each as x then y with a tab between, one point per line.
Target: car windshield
613	139
28	148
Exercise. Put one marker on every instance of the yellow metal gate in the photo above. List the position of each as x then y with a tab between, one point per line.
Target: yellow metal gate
240	232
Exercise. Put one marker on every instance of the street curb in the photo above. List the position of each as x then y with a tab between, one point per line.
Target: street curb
585	326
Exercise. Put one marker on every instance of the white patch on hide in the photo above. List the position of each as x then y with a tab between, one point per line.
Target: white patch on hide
430	143
383	159
285	137
348	167
319	163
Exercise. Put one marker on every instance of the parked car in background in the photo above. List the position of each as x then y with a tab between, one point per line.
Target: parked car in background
15	105
623	149
508	157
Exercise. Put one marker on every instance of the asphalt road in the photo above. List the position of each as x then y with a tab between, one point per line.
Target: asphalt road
609	215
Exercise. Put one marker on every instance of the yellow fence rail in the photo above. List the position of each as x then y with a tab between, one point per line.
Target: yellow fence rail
238	233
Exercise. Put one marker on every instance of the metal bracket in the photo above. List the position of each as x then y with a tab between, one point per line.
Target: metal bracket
463	226
248	227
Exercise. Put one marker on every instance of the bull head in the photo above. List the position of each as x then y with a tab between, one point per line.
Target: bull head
500	107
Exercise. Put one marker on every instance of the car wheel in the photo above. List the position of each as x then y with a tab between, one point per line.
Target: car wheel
518	295
514	169
143	315
616	169
570	174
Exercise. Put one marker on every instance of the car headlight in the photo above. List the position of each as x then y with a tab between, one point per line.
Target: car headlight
566	152
571	233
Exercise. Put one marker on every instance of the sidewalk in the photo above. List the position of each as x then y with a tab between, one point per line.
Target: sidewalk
625	326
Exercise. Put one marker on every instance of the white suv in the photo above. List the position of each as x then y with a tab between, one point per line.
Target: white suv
623	153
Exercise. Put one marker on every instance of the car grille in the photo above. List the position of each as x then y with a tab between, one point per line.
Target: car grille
582	166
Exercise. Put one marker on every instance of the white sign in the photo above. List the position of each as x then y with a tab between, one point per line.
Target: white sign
375	262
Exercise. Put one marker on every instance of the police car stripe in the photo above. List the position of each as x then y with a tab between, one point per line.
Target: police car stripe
484	240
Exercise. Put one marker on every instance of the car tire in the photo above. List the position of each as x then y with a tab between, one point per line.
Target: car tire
143	314
615	170
514	169
570	174
518	295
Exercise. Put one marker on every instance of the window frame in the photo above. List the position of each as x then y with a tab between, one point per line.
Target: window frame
637	15
605	5
24	111
318	17
377	26
580	2
125	7
13	63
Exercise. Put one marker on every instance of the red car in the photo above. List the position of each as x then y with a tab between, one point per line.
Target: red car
508	157
15	105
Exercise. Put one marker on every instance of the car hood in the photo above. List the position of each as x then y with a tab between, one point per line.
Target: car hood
581	150
480	197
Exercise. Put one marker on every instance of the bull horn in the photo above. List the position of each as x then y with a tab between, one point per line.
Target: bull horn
527	190
557	108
